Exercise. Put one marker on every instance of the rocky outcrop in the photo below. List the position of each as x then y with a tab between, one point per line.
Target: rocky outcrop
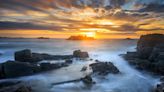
11	86
160	87
11	69
150	53
80	54
104	68
147	43
27	56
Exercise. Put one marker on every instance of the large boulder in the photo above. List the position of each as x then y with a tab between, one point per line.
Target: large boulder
104	68
80	54
27	56
146	44
16	69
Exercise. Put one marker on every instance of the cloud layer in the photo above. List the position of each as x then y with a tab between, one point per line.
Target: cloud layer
104	16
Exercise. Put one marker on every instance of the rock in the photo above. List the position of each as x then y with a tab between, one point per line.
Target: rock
49	66
68	61
159	87
23	55
131	55
104	68
16	69
23	89
84	68
55	57
27	56
149	55
158	52
80	54
8	83
88	81
14	87
146	44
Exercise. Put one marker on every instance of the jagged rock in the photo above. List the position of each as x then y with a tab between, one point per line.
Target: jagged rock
103	68
24	55
10	86
16	69
159	87
88	80
27	56
150	53
68	61
146	44
80	54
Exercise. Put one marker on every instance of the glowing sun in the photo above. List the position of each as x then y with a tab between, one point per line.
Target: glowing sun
89	34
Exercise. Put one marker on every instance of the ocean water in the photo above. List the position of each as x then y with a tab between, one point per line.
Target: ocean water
130	79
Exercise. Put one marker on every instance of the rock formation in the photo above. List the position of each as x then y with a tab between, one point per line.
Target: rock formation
150	53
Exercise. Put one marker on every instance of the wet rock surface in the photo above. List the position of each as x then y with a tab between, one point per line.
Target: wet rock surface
80	54
160	86
104	68
11	86
27	56
149	55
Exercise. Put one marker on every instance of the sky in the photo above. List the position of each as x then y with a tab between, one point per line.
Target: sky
63	18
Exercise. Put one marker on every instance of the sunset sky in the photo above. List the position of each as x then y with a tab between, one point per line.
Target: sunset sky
98	18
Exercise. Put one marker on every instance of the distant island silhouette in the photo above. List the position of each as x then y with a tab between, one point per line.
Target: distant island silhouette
43	38
80	37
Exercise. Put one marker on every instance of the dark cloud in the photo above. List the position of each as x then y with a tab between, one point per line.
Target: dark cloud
5	25
153	8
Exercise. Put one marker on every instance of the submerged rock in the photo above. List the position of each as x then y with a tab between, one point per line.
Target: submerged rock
104	68
80	54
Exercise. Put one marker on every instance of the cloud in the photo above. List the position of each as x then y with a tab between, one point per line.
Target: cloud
5	25
153	8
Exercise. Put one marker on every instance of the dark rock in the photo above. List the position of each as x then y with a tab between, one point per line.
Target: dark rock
131	55
8	83
55	57
23	89
103	68
68	61
27	56
149	55
49	66
146	44
88	81
16	69
159	87
80	54
14	87
84	68
23	55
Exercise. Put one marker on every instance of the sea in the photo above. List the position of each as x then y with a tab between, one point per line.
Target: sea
108	50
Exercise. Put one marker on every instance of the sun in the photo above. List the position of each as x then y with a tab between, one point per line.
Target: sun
89	34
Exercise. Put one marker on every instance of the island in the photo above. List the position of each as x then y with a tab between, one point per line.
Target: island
80	37
43	38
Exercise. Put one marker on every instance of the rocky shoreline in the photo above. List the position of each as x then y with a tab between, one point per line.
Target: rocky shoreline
28	63
149	56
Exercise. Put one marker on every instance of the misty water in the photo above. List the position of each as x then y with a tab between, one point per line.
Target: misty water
129	80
